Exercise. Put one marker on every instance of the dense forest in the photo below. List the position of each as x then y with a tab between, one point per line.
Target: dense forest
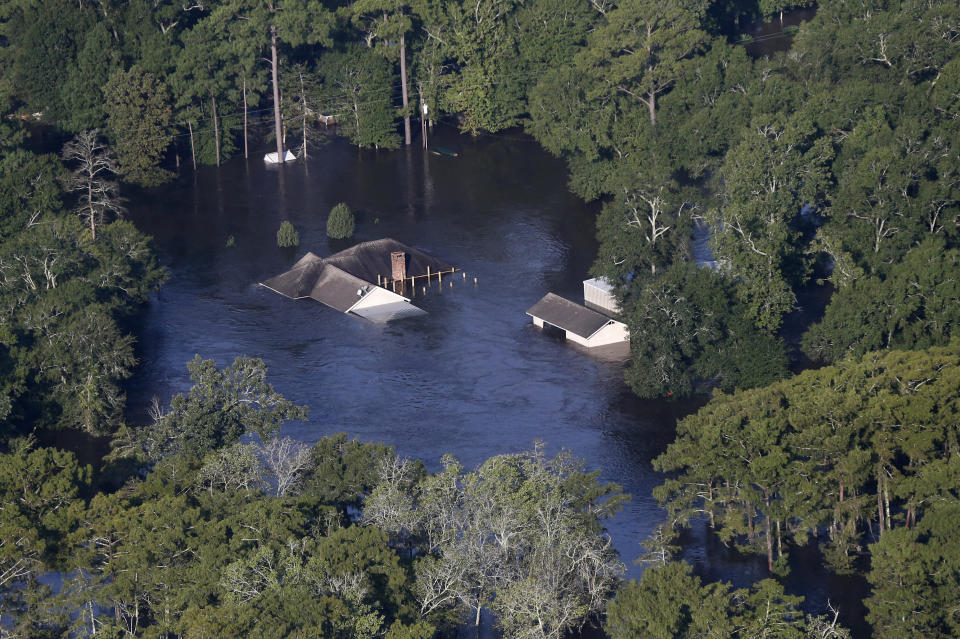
833	165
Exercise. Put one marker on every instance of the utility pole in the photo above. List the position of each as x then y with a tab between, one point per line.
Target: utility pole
423	122
403	81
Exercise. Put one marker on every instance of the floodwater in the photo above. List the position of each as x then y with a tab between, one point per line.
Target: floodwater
767	37
473	377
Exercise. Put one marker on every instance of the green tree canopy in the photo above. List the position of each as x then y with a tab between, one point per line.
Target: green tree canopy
139	118
222	405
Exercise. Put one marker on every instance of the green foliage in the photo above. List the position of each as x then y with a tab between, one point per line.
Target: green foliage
644	229
62	295
522	534
39	504
768	178
486	90
915	305
686	326
344	471
287	235
205	85
221	406
915	575
340	222
49	37
670	603
838	448
162	557
301	108
24	200
81	91
358	84
643	47
139	118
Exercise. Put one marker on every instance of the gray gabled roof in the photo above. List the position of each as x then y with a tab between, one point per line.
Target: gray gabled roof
335	280
337	288
369	259
568	315
299	280
327	283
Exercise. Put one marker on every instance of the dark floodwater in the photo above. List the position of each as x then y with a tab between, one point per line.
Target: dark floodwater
767	37
473	378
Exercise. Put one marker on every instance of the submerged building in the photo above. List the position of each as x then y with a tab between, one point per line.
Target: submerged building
588	327
369	279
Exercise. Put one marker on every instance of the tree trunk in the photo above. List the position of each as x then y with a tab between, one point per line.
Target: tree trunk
274	70
880	503
303	99
356	115
93	212
216	128
886	501
652	107
245	148
423	116
713	523
193	150
403	90
769	535
779	542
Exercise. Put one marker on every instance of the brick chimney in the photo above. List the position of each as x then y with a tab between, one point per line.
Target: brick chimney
398	260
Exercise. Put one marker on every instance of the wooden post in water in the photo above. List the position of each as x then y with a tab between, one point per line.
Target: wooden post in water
428	275
440	277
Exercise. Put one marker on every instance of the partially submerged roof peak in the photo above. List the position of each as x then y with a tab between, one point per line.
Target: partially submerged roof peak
336	280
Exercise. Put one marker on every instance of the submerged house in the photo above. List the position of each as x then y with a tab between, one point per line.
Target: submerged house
582	325
368	279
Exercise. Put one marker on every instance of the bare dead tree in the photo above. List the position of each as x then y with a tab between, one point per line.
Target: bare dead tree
285	459
93	178
392	505
825	626
231	468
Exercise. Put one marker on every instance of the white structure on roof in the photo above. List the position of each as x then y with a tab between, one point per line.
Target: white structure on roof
598	294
